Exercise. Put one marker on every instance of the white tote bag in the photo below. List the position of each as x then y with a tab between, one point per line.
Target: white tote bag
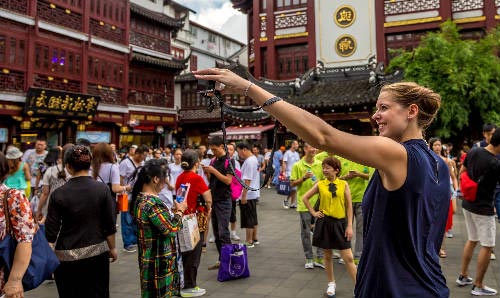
189	235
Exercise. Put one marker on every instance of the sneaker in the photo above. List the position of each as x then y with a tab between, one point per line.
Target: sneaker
193	292
235	237
341	261
318	262
256	242
211	239
214	266
130	248
463	280
294	206
249	244
336	255
330	291
493	257
285	204
484	291
309	264
449	234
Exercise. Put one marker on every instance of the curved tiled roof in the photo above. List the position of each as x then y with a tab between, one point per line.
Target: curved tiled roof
172	64
158	17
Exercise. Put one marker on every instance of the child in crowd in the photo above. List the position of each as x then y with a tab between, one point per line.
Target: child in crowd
333	228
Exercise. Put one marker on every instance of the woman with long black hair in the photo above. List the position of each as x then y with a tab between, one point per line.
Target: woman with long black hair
157	227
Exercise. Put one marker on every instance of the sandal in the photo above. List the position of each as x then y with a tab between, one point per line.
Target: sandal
330	291
442	253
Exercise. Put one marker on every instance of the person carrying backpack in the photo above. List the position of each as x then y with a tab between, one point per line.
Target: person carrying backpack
248	203
104	169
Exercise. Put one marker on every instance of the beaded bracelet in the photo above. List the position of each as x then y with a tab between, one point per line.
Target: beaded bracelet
248	87
270	101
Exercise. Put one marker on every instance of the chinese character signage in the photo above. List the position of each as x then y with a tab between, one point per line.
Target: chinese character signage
345	32
345	16
345	45
46	102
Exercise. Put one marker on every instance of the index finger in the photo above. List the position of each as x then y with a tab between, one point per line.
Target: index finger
209	71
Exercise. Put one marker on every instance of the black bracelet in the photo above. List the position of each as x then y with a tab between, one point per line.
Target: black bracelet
270	101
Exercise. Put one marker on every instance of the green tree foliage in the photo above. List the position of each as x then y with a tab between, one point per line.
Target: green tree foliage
466	73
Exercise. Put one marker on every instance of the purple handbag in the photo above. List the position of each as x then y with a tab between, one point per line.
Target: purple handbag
233	262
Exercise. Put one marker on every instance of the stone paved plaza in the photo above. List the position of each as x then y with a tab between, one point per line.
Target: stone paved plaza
277	264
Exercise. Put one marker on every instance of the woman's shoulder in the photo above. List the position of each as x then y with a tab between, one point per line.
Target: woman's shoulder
11	193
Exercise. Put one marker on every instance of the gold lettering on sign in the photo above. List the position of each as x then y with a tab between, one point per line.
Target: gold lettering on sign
168	119
153	118
345	45
40	100
13	107
137	117
102	115
344	16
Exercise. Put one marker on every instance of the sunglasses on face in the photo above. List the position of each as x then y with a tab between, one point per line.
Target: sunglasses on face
333	189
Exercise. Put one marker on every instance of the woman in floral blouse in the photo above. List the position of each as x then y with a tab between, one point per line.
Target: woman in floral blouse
157	226
23	226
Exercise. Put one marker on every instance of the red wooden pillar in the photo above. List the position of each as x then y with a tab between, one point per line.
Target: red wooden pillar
85	46
257	44
380	31
445	9
490	12
272	57
31	36
126	58
311	28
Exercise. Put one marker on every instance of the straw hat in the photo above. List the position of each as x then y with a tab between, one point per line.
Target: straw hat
13	153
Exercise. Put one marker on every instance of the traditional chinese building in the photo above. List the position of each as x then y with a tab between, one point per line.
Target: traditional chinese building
209	49
89	69
328	56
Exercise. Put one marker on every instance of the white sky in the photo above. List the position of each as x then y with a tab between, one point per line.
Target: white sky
219	15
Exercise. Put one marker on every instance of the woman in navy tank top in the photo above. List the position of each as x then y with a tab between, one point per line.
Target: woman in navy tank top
406	203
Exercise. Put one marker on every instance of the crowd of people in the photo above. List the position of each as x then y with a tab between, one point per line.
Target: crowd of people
397	200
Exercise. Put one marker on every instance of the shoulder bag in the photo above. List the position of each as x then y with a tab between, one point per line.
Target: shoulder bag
43	259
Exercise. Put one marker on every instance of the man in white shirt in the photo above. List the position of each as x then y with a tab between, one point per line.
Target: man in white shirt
290	157
35	158
248	202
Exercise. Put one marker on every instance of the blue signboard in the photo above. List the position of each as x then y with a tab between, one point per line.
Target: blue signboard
94	136
4	135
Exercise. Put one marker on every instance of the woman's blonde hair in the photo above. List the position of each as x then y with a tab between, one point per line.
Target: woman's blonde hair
408	93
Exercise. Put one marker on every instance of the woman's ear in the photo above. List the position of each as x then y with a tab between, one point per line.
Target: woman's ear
156	180
412	111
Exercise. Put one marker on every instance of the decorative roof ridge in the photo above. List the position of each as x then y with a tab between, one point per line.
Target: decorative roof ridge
174	63
158	17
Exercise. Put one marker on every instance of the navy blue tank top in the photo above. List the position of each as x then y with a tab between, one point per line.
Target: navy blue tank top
403	230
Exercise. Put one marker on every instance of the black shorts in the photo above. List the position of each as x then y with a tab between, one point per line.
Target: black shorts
232	219
248	214
329	233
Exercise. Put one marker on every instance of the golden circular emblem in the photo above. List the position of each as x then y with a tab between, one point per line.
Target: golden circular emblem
345	45
344	16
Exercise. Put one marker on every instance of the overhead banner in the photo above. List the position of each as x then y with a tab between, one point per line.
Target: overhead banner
47	102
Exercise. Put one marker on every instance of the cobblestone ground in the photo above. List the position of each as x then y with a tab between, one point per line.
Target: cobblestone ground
277	264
